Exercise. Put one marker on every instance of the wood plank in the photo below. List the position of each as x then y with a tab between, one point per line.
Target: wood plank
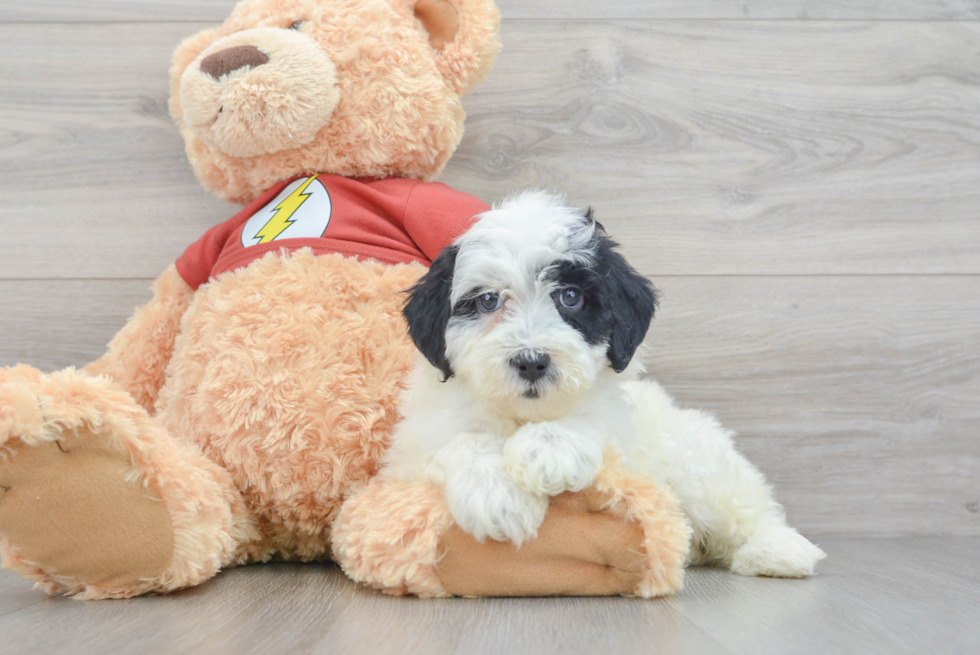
59	11
716	147
102	11
861	601
288	608
259	609
744	9
729	148
855	395
513	625
16	594
90	156
56	324
934	563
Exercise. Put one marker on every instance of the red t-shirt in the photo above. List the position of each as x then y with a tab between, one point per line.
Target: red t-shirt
393	221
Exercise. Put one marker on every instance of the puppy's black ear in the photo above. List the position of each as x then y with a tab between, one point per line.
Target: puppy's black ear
590	219
632	300
428	310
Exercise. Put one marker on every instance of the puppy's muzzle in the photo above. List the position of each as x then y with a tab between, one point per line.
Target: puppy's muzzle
531	367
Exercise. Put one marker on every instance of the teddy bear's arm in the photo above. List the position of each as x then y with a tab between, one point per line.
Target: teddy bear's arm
138	355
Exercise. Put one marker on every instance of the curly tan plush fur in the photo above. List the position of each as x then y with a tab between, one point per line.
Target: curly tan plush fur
287	374
387	537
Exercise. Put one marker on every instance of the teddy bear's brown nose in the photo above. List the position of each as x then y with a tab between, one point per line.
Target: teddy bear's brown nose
231	59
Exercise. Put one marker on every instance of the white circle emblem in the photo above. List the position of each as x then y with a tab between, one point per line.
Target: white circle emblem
300	211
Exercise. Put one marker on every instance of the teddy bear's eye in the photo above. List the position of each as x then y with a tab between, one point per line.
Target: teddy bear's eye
298	24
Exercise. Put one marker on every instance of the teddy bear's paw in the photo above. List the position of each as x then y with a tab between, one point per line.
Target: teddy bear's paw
99	501
485	503
777	552
76	517
548	458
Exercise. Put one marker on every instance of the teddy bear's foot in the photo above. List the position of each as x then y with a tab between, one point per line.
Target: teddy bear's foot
622	536
665	529
96	499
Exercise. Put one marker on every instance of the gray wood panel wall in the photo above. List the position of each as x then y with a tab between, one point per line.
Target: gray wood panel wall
800	178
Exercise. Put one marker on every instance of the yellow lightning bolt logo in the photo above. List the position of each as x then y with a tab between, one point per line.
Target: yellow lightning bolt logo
284	211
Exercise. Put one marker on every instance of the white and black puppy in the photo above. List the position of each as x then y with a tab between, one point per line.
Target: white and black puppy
528	325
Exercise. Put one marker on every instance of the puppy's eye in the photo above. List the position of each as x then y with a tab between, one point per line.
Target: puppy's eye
298	24
570	298
489	302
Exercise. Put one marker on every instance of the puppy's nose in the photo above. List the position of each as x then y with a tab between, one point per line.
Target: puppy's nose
231	59
531	367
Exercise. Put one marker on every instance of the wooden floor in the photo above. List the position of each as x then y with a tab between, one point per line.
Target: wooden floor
801	178
901	595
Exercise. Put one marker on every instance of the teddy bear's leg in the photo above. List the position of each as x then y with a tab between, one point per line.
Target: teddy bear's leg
97	500
138	355
736	520
622	536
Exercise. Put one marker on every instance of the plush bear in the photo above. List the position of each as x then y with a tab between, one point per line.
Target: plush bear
240	415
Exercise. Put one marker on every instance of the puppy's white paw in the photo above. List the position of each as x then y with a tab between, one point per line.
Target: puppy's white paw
485	503
777	552
549	458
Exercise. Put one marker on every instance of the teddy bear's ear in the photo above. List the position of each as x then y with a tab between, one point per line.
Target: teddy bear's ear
464	34
186	52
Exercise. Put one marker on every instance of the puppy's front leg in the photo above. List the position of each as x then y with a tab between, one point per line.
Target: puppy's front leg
551	457
483	500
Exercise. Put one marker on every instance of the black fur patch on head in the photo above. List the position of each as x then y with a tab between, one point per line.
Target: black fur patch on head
594	318
466	307
617	302
630	297
590	219
428	310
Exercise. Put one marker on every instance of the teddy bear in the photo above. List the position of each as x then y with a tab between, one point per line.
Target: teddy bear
241	414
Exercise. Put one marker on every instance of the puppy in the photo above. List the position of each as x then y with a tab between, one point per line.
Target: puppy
527	327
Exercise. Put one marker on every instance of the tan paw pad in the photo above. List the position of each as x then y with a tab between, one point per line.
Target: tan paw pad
76	508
